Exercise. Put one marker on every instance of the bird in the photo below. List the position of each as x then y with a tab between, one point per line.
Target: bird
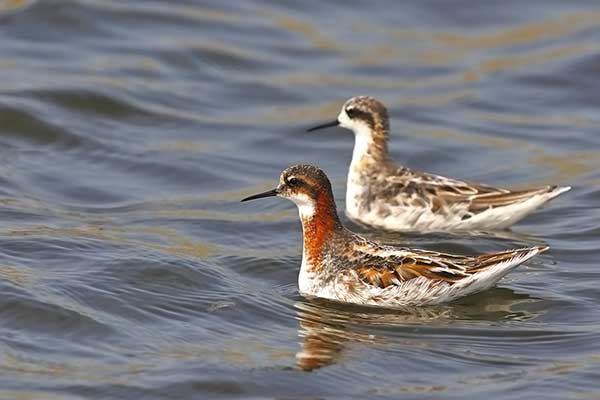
340	265
387	196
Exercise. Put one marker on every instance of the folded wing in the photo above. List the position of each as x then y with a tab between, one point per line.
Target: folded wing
442	191
396	269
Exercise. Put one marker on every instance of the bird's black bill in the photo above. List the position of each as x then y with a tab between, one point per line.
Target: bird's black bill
323	126
269	193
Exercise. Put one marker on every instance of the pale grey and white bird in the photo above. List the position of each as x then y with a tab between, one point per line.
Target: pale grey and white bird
384	195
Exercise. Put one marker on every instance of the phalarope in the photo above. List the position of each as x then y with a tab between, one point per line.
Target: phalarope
340	265
384	195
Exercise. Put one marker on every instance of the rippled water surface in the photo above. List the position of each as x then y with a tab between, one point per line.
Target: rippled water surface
129	130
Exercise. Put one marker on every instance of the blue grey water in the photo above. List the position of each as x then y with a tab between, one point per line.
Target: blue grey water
129	130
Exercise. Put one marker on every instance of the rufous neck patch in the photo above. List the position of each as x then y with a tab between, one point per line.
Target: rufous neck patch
318	229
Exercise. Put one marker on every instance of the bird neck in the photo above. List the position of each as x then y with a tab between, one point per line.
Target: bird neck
320	223
370	146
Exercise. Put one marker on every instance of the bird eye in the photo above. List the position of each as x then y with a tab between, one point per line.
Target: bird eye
293	181
351	112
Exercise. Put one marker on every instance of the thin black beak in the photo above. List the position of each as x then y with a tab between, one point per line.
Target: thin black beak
268	193
323	126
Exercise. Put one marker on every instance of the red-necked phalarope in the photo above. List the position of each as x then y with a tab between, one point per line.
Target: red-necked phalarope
384	195
340	265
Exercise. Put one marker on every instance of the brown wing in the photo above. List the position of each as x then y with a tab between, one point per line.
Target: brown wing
490	200
400	269
431	265
478	197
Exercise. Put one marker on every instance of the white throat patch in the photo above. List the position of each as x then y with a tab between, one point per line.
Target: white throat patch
363	139
362	133
306	205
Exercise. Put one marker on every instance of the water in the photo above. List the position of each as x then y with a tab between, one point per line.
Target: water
130	130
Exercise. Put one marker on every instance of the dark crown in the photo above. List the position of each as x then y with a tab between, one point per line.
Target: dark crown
311	175
368	109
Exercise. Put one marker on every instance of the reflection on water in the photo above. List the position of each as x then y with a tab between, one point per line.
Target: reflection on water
326	329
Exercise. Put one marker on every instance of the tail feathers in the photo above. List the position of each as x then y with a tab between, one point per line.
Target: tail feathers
488	270
506	259
500	211
555	191
495	266
486	201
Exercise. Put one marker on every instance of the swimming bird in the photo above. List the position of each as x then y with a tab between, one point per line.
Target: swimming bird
384	195
340	265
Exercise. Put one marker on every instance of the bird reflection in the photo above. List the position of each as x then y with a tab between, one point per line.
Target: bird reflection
327	328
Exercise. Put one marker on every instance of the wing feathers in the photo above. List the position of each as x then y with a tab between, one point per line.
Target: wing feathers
441	190
485	201
437	267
